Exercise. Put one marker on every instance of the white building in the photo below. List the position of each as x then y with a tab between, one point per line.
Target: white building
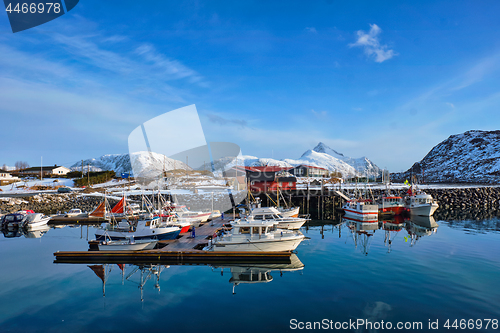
6	178
45	171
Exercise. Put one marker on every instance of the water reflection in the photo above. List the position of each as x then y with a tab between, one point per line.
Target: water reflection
420	226
392	229
416	227
243	273
260	273
143	273
18	231
361	233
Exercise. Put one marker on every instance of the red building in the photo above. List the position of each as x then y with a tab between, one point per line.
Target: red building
267	178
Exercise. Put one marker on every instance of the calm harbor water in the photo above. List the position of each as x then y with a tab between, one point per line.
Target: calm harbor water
408	273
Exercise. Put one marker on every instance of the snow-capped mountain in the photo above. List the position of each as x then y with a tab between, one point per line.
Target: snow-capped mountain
321	156
471	157
362	165
121	163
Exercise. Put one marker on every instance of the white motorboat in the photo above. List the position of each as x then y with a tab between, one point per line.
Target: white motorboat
271	213
422	204
144	228
361	209
185	214
127	245
254	235
76	212
35	220
289	212
13	220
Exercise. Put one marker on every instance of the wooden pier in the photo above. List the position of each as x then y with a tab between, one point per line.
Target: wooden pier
61	220
184	250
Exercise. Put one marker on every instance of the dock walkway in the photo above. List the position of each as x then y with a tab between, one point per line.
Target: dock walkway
186	242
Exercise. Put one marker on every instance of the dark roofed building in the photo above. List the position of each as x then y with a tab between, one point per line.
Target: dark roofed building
45	171
309	171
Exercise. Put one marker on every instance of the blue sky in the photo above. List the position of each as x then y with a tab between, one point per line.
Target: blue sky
383	80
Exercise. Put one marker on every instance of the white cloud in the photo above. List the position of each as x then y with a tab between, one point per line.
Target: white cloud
371	44
312	29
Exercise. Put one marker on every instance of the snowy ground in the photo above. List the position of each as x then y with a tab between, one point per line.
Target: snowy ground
49	182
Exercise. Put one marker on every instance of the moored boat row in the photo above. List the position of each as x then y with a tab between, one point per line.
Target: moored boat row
416	203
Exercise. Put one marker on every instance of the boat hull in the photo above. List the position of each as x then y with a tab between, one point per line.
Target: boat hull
157	233
294	212
424	210
292	225
365	214
126	246
277	245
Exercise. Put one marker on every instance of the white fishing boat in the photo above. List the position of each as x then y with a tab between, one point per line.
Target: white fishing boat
254	235
35	220
421	204
127	245
271	213
144	228
361	209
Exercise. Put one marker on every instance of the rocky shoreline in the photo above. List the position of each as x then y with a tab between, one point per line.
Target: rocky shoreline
451	200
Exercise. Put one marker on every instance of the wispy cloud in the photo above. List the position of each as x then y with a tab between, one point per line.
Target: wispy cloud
320	114
312	29
371	44
172	68
224	121
477	72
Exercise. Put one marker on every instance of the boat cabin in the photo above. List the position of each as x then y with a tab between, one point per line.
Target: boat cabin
253	229
421	199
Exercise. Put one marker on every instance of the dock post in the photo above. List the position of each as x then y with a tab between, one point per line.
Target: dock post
308	197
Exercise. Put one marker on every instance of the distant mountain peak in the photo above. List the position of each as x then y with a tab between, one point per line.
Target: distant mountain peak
323	148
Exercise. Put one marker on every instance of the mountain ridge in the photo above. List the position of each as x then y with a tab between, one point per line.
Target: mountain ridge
469	157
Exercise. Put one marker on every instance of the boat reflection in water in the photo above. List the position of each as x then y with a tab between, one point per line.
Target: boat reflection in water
361	232
419	226
18	231
259	273
392	230
146	273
